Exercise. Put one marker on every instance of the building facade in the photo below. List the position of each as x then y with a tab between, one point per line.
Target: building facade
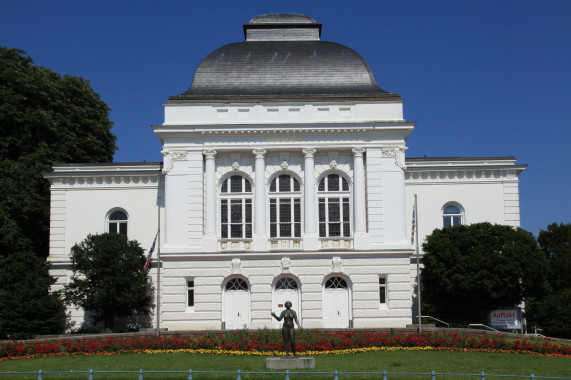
284	178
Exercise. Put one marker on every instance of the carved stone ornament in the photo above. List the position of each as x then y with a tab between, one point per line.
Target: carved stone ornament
236	266
170	158
235	166
259	153
285	264
396	154
284	165
333	164
358	152
389	152
336	265
308	152
209	153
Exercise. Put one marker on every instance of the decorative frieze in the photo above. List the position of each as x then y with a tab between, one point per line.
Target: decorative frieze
99	181
474	175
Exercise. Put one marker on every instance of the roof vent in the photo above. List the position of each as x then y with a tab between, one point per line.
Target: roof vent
282	27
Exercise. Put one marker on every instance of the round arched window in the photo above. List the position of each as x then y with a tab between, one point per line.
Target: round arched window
334	207
336	283
286	283
285	207
452	216
117	222
236	284
236	208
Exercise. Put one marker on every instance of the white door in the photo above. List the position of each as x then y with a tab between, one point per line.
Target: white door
236	305
286	289
336	303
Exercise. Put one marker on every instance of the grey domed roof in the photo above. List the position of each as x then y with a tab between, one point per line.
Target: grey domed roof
283	59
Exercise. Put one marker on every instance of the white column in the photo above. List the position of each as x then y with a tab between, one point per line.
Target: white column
210	193
309	191
260	192
359	191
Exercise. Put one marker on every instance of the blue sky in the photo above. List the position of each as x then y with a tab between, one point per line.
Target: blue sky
480	78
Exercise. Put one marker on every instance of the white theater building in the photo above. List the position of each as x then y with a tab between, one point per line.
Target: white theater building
284	178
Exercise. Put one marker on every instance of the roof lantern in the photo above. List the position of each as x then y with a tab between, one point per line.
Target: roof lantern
282	27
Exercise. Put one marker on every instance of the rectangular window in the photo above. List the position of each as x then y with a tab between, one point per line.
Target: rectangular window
382	290
285	217
190	293
345	111
222	113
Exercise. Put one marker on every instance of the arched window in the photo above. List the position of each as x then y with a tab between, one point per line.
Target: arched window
236	208
236	284
334	210
336	283
452	215
286	283
285	207
117	222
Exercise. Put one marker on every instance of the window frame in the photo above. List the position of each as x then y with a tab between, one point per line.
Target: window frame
119	223
383	291
278	198
190	290
234	202
451	219
326	200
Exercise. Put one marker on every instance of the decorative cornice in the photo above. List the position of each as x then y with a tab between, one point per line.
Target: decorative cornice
426	175
105	181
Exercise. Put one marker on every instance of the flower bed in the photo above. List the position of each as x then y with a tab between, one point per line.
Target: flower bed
269	342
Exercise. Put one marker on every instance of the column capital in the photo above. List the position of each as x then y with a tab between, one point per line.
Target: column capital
209	153
259	153
358	152
309	152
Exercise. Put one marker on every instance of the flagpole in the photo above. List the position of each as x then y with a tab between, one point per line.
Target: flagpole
158	313
417	267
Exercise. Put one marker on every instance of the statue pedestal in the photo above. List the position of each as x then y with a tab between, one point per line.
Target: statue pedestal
290	362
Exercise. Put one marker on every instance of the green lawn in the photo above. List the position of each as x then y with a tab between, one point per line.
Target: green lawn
396	361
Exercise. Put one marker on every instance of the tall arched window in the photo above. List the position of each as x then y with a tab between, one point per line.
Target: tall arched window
117	222
334	210
236	208
285	207
452	215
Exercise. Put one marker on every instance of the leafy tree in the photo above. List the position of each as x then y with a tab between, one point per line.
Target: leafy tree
45	118
471	270
553	311
109	279
26	306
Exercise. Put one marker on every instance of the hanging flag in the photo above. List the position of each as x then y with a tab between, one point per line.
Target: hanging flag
150	255
413	224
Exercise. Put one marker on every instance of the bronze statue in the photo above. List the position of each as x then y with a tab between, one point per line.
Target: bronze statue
288	330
